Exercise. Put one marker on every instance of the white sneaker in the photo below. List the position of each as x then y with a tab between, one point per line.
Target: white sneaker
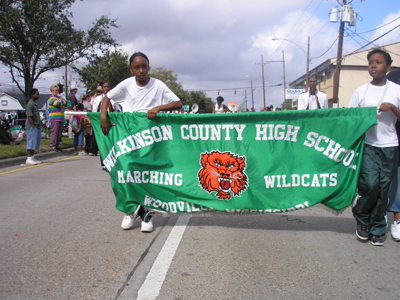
147	226
81	153
129	219
30	161
39	162
395	230
127	222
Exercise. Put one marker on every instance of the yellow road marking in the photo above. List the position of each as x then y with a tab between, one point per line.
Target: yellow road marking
39	165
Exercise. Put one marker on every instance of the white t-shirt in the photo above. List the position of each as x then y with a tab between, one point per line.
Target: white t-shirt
97	101
305	99
134	98
219	110
384	134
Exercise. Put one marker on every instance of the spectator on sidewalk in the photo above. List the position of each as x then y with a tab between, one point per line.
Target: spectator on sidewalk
101	91
56	117
72	97
68	119
86	102
5	138
78	136
33	128
88	136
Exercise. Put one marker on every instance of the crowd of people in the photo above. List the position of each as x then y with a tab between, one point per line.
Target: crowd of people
83	135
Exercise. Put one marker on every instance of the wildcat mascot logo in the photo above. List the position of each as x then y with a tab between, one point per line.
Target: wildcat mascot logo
223	173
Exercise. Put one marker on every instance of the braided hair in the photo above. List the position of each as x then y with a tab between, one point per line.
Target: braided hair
138	54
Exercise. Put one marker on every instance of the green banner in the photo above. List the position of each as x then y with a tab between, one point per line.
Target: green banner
244	162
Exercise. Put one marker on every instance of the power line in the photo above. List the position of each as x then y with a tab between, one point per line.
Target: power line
354	33
355	51
320	29
327	50
241	88
379	26
352	37
301	29
292	28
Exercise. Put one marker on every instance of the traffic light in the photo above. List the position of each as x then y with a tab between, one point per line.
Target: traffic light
218	92
235	91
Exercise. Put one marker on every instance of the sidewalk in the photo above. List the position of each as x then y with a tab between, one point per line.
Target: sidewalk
10	162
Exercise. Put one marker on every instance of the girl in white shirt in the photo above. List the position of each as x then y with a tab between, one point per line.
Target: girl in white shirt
140	93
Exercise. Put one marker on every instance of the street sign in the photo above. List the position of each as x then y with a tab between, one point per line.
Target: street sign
293	93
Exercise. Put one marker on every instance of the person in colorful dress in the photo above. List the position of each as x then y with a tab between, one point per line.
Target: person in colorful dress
56	117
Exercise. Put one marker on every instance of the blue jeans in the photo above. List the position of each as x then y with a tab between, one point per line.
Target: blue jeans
78	138
33	136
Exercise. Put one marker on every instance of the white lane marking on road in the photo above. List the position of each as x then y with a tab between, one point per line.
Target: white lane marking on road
151	287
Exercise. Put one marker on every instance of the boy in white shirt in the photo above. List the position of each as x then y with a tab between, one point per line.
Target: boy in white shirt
380	155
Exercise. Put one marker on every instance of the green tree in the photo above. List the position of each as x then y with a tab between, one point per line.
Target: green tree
171	80
288	104
168	77
37	36
200	98
112	67
188	98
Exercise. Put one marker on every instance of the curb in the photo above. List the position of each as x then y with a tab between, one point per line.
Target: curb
15	161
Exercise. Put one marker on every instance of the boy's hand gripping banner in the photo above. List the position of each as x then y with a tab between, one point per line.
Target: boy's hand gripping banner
248	162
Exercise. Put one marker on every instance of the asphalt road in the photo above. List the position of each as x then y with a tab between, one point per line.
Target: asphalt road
60	238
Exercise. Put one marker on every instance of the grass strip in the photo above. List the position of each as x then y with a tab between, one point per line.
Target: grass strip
10	151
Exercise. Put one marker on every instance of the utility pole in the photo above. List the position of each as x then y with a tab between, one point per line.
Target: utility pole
245	103
307	54
262	66
252	99
284	79
338	62
308	61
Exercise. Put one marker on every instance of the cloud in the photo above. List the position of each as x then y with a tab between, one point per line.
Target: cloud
213	45
393	36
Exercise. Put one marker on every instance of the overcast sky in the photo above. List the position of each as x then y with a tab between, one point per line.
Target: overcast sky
214	44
